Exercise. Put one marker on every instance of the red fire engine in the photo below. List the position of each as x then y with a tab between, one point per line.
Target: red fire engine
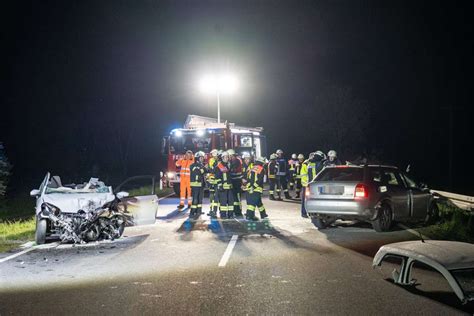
205	134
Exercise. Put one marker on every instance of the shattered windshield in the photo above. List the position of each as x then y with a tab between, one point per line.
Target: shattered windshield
93	186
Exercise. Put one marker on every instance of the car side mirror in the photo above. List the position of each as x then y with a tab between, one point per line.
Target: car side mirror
35	192
122	194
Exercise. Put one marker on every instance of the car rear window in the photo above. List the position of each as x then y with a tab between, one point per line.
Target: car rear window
341	174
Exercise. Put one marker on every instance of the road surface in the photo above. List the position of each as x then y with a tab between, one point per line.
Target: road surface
176	266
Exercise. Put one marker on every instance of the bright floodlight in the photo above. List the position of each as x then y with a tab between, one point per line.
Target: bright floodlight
221	84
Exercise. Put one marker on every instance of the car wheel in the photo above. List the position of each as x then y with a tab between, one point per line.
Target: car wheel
383	222
176	188
319	222
40	234
432	215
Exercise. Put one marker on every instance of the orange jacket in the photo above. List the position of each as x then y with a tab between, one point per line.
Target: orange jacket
185	165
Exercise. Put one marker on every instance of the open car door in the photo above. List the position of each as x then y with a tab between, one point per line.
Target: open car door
142	201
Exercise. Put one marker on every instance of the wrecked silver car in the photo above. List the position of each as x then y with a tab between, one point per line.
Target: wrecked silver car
453	260
88	212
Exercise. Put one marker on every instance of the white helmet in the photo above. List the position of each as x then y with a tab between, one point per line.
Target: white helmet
224	154
293	156
245	155
311	155
214	153
199	154
260	159
231	152
332	154
273	156
320	154
279	151
300	156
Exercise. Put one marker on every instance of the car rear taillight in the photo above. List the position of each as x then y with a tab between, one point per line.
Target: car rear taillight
361	191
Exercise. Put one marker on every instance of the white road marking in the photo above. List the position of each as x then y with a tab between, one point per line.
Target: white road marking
16	254
414	232
228	251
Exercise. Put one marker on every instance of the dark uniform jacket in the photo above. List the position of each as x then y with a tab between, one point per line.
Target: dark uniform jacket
197	174
255	179
222	174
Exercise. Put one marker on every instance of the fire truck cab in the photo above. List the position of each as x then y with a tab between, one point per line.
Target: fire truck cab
205	134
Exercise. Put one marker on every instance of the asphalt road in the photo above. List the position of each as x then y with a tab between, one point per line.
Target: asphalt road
176	266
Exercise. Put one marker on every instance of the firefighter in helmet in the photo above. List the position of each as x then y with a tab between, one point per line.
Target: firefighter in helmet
224	186
292	171
236	168
255	189
211	180
271	175
298	165
197	184
282	175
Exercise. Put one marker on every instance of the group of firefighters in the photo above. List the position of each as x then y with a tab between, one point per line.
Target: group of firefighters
229	175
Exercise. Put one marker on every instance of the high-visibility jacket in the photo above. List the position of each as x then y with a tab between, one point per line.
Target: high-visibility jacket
197	174
255	179
246	169
185	165
308	172
298	166
292	165
222	174
211	165
272	169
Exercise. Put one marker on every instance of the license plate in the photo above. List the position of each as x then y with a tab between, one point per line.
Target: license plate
331	189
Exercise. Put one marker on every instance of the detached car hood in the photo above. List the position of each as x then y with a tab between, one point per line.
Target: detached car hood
74	202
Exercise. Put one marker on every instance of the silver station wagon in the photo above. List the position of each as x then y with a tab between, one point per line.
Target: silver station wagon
377	194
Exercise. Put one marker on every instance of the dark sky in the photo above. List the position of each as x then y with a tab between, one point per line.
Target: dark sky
80	77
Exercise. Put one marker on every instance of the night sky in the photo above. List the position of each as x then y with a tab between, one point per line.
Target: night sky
83	81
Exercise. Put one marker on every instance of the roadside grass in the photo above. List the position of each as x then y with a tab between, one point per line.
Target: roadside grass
13	234
455	224
17	221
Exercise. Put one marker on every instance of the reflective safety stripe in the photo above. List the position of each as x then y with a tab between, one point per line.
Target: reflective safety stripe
199	205
272	176
194	206
196	184
227	186
271	192
223	208
230	207
251	207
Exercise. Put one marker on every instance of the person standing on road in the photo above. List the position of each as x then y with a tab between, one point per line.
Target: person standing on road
304	183
185	178
332	159
292	171
255	190
197	184
298	165
236	165
282	174
224	187
309	170
211	180
271	175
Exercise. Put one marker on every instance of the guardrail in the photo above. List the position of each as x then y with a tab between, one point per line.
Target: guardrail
464	202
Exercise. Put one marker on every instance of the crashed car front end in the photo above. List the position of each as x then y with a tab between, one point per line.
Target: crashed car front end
78	213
